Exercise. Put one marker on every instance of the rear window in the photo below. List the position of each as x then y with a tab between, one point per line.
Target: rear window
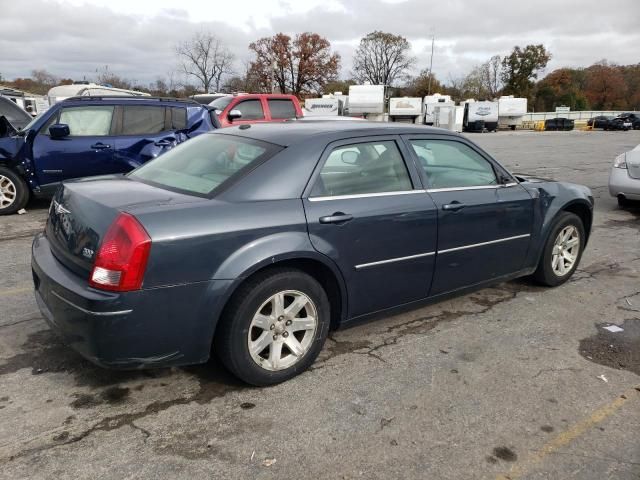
282	108
204	163
142	120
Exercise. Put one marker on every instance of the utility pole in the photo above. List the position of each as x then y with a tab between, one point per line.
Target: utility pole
273	76
433	39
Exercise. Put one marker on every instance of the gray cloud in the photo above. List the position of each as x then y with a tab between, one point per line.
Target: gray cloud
72	41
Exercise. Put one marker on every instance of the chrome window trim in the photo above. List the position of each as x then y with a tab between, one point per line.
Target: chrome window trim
364	195
500	240
479	187
89	312
393	260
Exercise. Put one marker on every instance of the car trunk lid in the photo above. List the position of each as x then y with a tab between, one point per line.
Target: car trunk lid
82	211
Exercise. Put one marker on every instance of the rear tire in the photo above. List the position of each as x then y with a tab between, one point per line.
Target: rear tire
14	192
562	251
263	338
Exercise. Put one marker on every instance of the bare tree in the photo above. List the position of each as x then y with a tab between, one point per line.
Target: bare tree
207	59
491	75
382	58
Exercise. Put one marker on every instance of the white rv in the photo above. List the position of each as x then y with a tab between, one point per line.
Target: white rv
480	116
405	109
367	101
510	111
344	101
431	101
314	107
29	102
449	117
86	89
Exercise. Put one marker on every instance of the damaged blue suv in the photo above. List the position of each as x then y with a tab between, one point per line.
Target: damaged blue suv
88	136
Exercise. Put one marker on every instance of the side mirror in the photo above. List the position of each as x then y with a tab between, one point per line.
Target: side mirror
349	157
234	115
59	130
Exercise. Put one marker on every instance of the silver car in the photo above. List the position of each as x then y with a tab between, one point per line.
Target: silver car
624	180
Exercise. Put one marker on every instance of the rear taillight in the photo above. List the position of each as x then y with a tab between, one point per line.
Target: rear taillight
122	257
620	161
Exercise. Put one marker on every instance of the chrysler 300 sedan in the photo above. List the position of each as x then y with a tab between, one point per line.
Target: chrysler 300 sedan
254	241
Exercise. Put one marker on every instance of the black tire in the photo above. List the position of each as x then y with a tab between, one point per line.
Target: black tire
20	188
622	201
231	336
544	274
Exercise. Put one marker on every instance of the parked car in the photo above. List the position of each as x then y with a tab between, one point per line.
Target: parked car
619	123
564	124
624	178
256	108
632	118
86	136
252	242
601	121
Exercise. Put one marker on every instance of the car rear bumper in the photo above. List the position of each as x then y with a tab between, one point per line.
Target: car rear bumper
141	329
620	183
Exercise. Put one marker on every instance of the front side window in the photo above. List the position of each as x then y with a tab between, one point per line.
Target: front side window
89	121
370	167
204	163
451	164
282	108
250	109
142	120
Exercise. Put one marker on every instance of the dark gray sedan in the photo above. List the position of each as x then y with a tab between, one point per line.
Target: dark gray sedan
253	242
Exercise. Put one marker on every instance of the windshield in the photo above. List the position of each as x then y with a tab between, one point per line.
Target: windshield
30	124
222	102
202	164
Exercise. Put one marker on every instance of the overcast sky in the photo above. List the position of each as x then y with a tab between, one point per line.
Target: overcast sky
137	38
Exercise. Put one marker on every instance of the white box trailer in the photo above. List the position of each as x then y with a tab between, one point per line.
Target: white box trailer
367	100
480	116
314	107
449	117
29	102
344	101
405	109
87	89
510	111
431	101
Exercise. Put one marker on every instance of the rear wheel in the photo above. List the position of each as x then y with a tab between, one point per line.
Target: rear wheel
14	193
274	327
562	251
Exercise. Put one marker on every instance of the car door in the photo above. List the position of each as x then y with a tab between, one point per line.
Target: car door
484	215
146	132
87	151
368	212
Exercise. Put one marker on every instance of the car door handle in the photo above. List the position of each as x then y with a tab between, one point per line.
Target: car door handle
453	206
100	146
337	218
163	143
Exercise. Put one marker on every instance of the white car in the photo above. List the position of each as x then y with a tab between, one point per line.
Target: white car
624	180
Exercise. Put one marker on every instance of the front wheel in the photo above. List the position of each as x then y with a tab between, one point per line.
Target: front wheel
274	327
14	193
562	251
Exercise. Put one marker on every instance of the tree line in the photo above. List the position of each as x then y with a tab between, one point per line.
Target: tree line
306	66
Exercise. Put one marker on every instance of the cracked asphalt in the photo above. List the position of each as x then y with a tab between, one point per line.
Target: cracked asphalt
514	381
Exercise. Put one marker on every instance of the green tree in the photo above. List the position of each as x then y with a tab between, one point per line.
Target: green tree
521	67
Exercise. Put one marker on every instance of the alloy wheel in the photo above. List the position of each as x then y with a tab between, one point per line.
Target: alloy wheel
282	330
8	192
565	250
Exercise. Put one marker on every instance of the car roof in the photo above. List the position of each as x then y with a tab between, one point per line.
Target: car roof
289	133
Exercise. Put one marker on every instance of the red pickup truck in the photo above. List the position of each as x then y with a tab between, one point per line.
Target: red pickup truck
256	108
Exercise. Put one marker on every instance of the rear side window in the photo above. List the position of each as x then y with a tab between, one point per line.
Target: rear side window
250	109
142	120
281	108
87	121
204	163
450	164
178	118
371	167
